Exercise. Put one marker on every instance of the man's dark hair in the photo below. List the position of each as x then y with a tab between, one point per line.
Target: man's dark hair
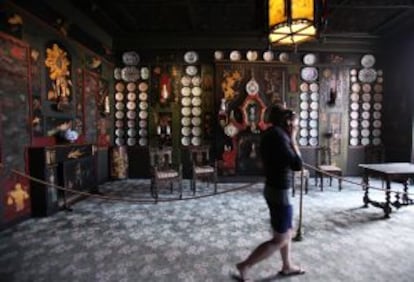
278	115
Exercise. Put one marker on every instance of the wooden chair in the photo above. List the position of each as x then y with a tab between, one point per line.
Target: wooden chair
163	172
324	165
300	178
203	167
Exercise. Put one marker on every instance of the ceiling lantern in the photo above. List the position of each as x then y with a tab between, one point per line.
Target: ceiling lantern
294	21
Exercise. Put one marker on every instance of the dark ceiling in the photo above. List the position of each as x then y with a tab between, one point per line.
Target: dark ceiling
238	23
241	22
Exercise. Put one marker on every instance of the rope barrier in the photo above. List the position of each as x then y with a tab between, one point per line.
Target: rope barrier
123	199
363	185
153	201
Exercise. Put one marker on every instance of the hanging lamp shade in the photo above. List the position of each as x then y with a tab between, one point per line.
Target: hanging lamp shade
294	21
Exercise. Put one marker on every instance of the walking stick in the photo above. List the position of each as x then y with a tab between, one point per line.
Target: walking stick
298	236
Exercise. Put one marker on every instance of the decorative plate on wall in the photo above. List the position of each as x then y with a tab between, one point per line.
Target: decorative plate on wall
365	115
119	106
185	141
251	55
377	106
185	131
191	57
366	97
196	91
185	80
186	91
196	121
131	96
252	87
354	141
143	96
314	87
186	101
376	141
131	86
131	105
367	75
354	133
313	141
119	86
130	58
313	123
304	87
119	96
119	114
130	74
196	131
303	123
218	55
131	141
143	105
268	55
131	114
196	101
304	96
354	115
365	141
354	97
235	55
119	123
145	73
143	86
309	74
284	57
143	141
309	59
354	123
185	121
366	87
186	111
356	87
376	115
367	61
196	111
117	73
313	114
196	80
131	123
191	70
354	106
143	114
196	141
143	123
132	132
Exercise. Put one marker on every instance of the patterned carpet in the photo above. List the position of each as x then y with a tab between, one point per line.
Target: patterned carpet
202	239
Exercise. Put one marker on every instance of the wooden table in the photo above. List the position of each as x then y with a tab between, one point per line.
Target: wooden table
388	172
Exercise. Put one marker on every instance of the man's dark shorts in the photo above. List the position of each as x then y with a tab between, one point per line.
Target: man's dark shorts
280	217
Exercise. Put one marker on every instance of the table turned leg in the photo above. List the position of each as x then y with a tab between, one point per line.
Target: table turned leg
387	204
365	184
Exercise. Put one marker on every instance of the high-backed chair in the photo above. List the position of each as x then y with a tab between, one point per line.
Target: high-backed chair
203	167
163	172
374	154
325	166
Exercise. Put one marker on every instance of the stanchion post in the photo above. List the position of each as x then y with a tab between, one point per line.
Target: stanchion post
298	236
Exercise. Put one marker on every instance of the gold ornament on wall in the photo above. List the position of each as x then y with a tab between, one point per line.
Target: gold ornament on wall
58	63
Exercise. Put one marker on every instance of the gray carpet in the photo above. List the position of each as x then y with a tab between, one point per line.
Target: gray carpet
201	240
